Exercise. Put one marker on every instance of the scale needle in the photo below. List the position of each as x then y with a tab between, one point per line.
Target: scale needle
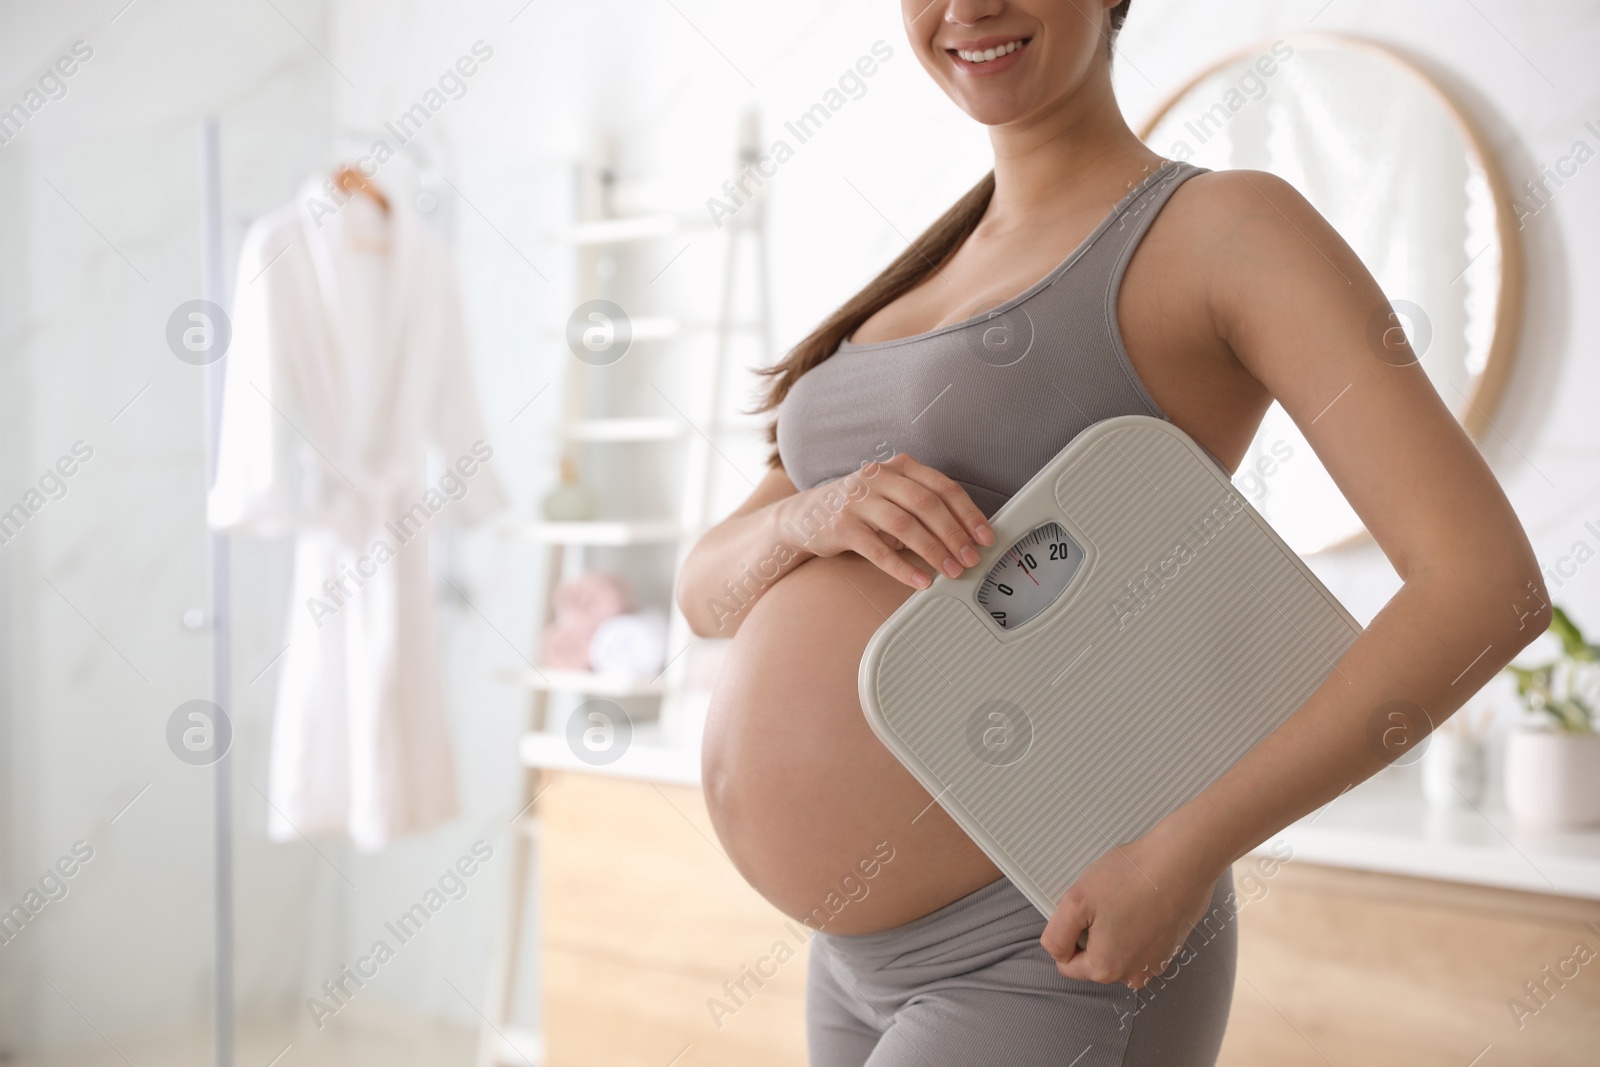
1024	568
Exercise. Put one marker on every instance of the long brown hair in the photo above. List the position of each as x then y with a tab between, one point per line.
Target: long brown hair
924	256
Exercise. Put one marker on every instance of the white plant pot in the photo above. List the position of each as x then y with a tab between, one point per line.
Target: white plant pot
1452	770
1552	779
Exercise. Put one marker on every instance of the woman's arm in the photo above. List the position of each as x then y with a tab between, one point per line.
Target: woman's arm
715	586
1298	310
876	511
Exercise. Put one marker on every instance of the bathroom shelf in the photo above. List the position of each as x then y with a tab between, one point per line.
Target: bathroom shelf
618	430
663	746
549	680
662	327
655	328
743	426
515	1045
632	228
622	532
642	760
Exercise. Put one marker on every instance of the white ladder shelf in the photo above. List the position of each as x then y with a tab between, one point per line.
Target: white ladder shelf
502	1042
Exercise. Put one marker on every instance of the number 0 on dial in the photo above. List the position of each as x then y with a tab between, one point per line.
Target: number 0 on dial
1030	576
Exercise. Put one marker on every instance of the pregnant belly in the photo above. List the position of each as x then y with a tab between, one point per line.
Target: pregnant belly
812	809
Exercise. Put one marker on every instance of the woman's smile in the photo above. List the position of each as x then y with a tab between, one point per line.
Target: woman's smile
987	56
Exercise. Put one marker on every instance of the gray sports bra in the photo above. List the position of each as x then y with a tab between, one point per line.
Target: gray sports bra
990	399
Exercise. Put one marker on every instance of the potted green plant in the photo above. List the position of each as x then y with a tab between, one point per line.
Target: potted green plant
1552	770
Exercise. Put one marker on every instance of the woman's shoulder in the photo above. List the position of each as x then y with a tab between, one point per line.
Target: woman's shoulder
1220	202
1237	185
1230	247
1242	224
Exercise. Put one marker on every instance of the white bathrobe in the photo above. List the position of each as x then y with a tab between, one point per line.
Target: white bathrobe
348	360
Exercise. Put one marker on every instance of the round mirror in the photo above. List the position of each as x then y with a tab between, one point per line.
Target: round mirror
1408	181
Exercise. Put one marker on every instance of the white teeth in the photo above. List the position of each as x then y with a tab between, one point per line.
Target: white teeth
989	53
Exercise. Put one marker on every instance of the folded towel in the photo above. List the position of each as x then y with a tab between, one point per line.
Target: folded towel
633	645
564	645
592	596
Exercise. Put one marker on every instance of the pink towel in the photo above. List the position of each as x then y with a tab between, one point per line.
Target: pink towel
592	596
565	645
582	603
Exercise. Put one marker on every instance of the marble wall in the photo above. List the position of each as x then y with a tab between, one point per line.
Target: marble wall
100	214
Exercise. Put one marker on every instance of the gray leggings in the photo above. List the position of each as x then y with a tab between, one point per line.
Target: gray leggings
970	985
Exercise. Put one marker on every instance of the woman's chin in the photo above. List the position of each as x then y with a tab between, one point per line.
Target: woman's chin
990	111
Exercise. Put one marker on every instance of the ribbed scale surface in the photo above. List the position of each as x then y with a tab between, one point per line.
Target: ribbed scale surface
1233	642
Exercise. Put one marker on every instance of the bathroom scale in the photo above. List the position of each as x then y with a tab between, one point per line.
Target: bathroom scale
1134	630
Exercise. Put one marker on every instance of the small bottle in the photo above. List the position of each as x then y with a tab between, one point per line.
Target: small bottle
569	501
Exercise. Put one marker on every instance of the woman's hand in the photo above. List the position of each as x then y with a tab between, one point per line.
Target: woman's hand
884	507
1137	903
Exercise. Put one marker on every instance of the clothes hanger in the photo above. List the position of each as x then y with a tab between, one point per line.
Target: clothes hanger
405	179
408	175
350	179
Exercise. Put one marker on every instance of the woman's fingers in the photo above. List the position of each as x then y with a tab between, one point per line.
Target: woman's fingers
910	506
911	530
957	520
1077	953
1090	965
871	545
1066	926
1104	957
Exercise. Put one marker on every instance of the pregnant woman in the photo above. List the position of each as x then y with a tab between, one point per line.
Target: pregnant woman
1147	286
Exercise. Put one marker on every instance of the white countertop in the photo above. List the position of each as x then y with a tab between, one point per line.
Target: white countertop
1382	825
644	759
1385	825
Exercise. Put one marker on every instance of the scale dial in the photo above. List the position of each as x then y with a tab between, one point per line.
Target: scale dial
1030	576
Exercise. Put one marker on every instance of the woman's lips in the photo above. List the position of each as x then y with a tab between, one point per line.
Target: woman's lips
988	68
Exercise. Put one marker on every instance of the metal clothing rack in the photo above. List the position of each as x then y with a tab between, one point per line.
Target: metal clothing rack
598	231
218	613
211	288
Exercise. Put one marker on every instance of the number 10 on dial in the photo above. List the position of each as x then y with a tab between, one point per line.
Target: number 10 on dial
1030	576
